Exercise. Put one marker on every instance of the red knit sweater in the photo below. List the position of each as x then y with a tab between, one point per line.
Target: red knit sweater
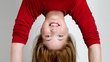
78	9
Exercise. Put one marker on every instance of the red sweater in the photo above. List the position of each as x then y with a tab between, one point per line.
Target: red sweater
78	9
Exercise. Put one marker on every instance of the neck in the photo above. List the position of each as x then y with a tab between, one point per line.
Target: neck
55	15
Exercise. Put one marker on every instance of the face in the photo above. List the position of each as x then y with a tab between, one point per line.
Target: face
54	33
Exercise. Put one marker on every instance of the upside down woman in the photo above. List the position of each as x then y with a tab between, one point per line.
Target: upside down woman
54	43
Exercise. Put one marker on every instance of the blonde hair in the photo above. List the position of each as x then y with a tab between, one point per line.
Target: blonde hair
42	54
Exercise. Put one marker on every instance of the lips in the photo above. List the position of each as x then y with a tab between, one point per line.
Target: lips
54	24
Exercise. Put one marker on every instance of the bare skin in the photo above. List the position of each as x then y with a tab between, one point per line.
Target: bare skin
94	52
17	52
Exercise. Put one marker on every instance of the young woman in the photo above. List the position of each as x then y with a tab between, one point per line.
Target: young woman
53	25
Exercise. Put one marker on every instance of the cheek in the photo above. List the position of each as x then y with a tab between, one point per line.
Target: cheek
63	30
45	29
64	27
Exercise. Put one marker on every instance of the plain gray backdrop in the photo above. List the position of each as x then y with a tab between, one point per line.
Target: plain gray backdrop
8	12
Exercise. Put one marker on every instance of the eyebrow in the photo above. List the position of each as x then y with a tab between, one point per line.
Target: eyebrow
60	39
46	39
50	39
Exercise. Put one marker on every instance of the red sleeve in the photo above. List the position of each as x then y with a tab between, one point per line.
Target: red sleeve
84	19
27	14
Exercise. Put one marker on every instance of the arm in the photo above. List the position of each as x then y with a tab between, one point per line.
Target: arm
27	14
17	52
94	53
85	20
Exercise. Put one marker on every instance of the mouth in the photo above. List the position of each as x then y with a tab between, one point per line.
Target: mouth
54	24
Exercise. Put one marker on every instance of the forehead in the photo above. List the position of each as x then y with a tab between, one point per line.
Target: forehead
55	44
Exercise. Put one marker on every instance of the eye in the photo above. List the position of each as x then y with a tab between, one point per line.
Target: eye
60	35
47	35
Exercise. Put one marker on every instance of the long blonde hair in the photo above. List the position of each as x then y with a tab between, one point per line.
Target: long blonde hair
42	54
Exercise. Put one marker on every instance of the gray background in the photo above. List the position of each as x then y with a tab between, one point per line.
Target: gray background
8	13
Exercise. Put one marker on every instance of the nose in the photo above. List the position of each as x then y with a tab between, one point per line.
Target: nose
53	30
